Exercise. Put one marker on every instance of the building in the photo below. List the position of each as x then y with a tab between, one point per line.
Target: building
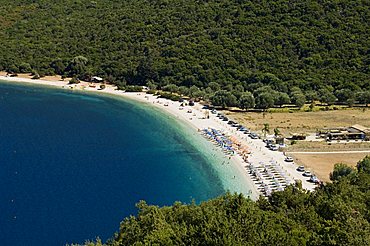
355	132
362	129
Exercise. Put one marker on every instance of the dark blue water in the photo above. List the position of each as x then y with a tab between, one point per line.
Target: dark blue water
72	166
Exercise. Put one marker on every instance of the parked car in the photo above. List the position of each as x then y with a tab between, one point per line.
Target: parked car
214	111
314	179
300	169
274	147
225	119
268	140
242	128
288	159
307	174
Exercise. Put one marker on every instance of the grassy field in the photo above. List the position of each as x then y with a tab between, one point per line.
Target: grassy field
302	122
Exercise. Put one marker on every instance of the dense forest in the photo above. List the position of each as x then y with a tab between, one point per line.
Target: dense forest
234	52
337	213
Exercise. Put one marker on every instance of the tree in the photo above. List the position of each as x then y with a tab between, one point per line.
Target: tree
145	71
344	94
171	88
282	98
224	99
25	67
298	99
58	65
264	100
311	96
363	97
364	165
327	97
350	102
266	129
151	85
183	90
214	86
74	80
277	132
194	91
246	101
340	170
77	66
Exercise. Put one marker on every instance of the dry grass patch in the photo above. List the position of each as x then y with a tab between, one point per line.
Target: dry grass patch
327	147
323	164
302	122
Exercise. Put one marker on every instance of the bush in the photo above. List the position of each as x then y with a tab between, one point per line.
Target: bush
133	88
169	96
340	170
74	81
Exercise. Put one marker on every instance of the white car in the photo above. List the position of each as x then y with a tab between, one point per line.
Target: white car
307	174
300	169
289	159
274	148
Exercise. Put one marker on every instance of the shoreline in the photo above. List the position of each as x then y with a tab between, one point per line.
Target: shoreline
261	170
195	121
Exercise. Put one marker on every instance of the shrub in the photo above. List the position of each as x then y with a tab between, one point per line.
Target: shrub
133	88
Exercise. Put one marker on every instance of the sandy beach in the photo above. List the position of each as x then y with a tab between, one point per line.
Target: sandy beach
261	170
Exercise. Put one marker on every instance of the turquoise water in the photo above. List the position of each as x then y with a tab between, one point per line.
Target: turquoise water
73	165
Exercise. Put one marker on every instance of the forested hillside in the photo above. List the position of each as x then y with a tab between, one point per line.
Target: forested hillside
320	49
334	214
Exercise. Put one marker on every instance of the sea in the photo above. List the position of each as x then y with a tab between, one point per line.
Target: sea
73	164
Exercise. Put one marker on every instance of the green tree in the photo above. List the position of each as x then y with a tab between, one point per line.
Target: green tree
265	129
151	85
340	170
58	66
214	86
77	66
74	80
25	67
363	97
224	99
171	88
364	165
246	101
282	98
264	100
327	97
194	91
311	96
183	90
298	99
344	94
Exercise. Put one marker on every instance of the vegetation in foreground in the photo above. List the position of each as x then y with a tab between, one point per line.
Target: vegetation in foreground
337	213
244	53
